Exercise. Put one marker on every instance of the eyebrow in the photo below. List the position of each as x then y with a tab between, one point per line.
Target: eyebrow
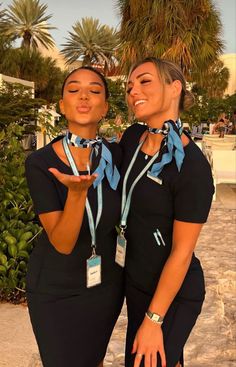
139	76
78	82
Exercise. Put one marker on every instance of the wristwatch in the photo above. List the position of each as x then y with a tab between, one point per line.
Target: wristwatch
154	317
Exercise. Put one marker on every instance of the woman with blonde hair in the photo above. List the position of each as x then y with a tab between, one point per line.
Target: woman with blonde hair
166	198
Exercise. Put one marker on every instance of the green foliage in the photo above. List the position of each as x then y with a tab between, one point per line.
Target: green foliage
17	105
117	103
45	123
117	117
31	65
208	109
18	227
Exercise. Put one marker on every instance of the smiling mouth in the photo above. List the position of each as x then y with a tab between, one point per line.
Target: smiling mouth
140	102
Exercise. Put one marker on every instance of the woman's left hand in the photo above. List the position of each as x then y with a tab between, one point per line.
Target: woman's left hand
147	343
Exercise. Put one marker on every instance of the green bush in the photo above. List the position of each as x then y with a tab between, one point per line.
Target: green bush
18	226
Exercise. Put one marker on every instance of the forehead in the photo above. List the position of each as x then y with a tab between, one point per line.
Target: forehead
84	75
145	68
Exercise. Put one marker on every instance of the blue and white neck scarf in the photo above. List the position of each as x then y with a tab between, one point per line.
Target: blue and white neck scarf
77	141
105	166
171	146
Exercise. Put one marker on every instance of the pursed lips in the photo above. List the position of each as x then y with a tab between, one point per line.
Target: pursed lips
83	108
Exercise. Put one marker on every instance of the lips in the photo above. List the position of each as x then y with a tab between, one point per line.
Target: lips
83	108
139	102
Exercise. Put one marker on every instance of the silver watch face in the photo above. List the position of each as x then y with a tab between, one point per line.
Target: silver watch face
156	318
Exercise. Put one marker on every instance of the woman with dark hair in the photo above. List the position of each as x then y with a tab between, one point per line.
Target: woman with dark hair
74	286
166	198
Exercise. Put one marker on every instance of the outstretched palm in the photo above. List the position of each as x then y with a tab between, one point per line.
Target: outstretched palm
74	183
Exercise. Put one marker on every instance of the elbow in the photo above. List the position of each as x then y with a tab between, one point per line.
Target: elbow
63	249
183	257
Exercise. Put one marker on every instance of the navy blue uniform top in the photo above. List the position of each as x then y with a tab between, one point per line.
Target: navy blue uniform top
49	271
185	196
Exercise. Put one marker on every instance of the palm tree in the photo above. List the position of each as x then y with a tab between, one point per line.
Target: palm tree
214	80
26	19
92	42
185	31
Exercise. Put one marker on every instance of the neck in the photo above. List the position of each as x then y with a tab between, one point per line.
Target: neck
86	132
158	121
153	142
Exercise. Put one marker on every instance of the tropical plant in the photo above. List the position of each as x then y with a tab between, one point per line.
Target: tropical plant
26	19
31	65
185	31
17	105
214	80
208	109
18	225
91	42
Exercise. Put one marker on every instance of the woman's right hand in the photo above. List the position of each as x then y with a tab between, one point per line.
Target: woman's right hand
76	184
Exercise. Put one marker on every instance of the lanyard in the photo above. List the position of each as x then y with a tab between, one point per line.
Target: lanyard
92	225
126	200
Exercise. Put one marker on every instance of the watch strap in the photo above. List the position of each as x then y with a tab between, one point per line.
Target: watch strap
154	317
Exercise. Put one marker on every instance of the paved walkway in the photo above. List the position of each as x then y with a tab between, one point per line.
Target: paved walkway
212	342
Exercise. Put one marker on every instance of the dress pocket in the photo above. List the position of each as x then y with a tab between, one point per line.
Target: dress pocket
158	237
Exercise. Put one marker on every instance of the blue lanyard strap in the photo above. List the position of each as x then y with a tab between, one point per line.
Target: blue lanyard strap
92	226
126	200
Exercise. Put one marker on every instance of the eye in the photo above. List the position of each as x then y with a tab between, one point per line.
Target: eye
144	81
128	90
95	91
73	90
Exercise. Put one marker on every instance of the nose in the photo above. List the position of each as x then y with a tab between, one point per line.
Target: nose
83	94
135	90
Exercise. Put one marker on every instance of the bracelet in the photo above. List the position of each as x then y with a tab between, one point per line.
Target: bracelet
154	317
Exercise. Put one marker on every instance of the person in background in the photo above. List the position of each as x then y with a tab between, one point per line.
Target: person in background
74	286
221	126
166	197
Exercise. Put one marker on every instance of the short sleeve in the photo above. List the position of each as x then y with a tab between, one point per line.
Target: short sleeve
131	136
194	190
41	185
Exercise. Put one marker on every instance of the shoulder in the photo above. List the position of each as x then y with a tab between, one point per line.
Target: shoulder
135	129
196	170
37	155
194	157
132	134
42	156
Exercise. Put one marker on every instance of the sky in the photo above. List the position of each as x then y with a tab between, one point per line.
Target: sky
66	13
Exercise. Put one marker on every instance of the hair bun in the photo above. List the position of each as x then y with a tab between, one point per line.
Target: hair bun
188	100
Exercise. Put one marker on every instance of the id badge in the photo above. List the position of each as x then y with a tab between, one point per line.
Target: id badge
121	250
94	270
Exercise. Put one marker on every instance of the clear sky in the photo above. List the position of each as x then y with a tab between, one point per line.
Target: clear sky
66	12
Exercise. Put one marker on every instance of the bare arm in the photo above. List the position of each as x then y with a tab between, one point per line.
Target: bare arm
185	237
149	338
63	227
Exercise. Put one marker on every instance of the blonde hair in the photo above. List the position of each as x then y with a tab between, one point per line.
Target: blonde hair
169	72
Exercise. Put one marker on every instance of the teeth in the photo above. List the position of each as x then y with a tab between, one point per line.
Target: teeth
139	102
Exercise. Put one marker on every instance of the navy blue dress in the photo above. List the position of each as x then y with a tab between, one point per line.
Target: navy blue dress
184	196
72	323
